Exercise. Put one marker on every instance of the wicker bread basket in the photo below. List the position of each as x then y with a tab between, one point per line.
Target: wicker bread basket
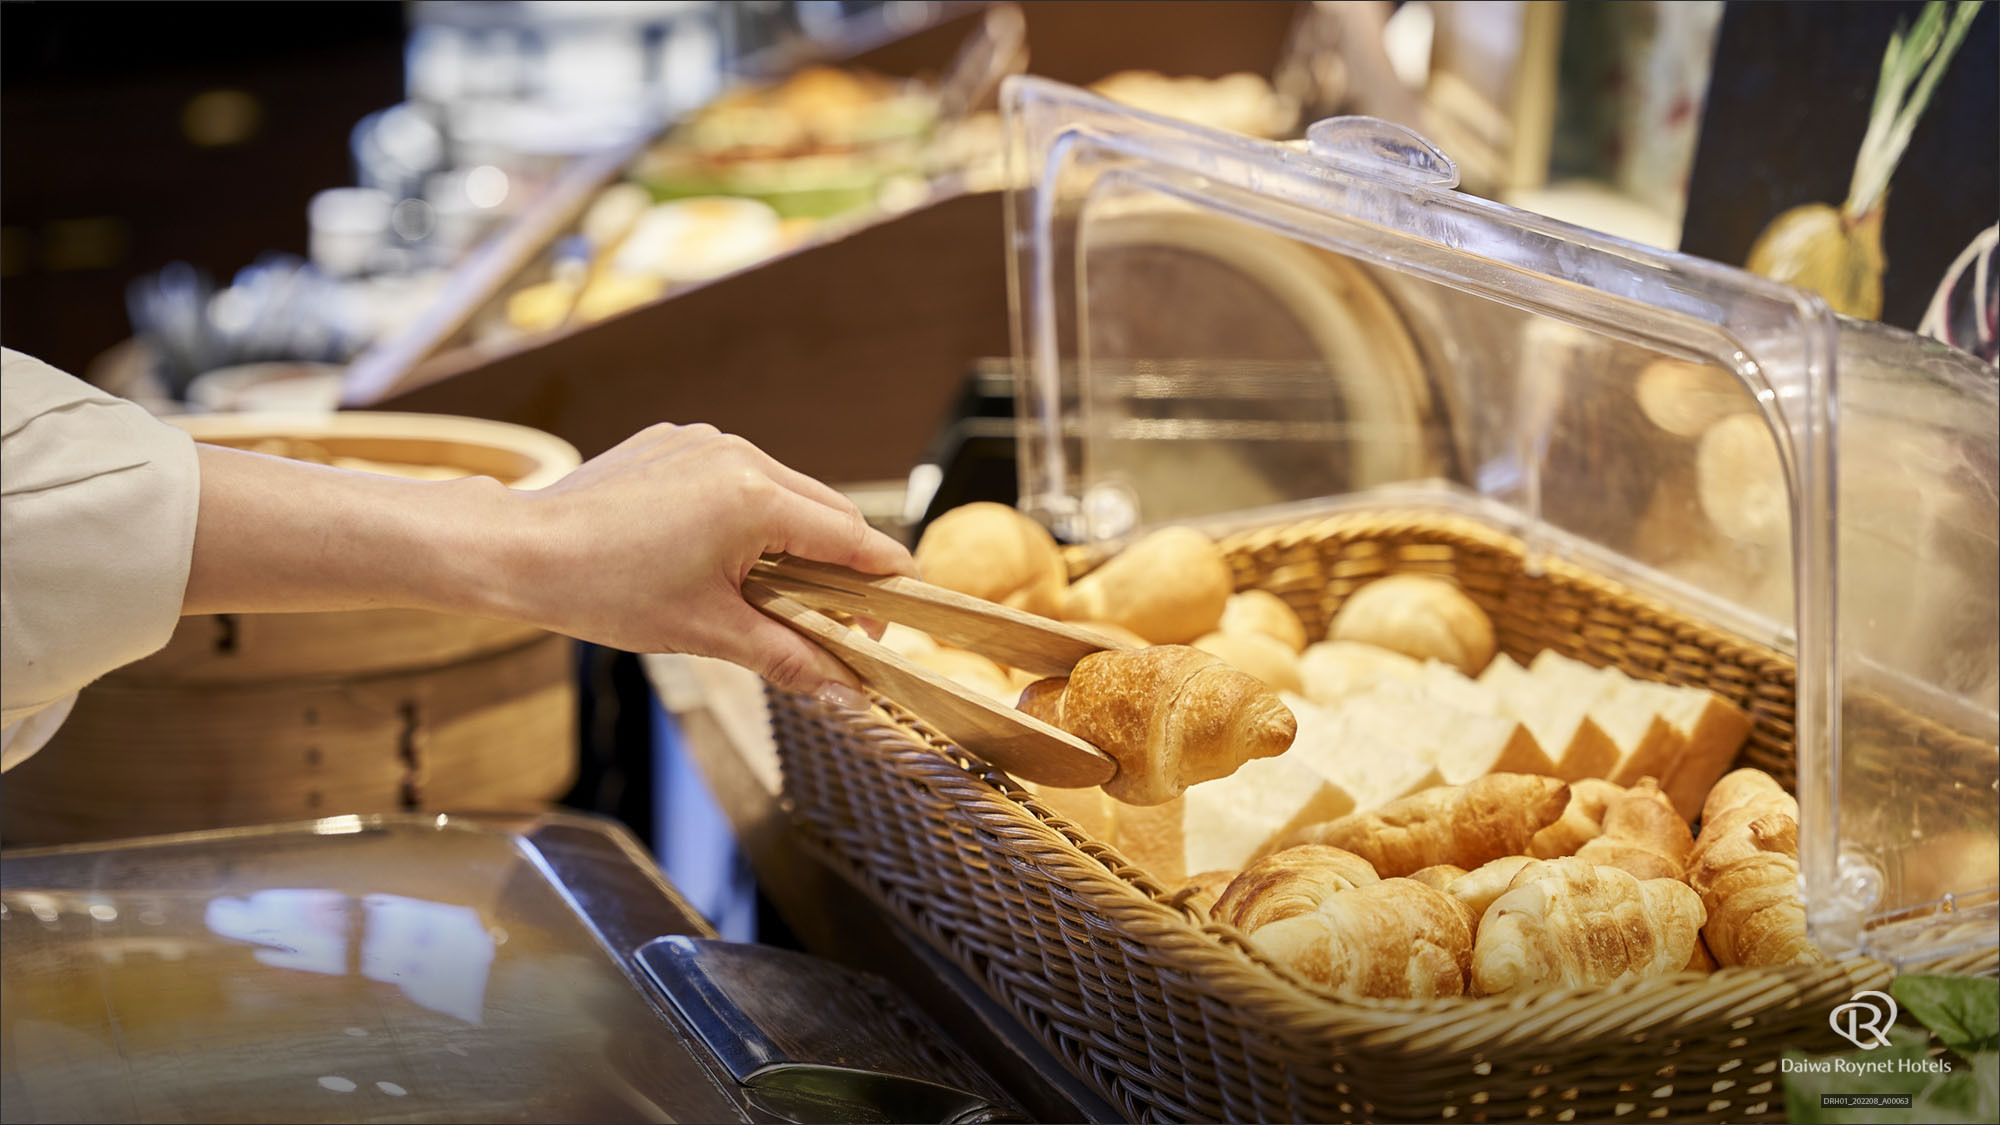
1172	1016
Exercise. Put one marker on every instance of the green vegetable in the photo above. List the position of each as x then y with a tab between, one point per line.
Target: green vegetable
1837	253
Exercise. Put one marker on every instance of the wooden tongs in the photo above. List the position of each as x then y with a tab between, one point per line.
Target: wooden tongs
793	590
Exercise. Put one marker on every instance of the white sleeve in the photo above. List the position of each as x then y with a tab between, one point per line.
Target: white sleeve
97	516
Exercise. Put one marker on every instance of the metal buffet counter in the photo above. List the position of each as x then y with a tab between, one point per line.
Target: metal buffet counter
720	711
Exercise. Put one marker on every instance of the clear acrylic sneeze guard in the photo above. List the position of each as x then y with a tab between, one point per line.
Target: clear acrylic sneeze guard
1223	331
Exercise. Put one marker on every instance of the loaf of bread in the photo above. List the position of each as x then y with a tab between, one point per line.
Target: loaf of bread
1568	922
1465	825
1420	616
1745	867
1324	915
1169	587
992	551
1257	654
1170	716
1642	836
1262	613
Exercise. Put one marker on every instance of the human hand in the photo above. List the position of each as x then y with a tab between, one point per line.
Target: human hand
645	548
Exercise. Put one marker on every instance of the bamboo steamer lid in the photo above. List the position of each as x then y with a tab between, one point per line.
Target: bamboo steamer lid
254	718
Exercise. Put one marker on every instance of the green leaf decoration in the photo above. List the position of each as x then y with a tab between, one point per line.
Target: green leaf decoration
1963	1011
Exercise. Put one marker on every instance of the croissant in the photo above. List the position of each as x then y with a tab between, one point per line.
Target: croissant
1465	825
1745	867
1439	877
1321	913
1582	819
1642	835
992	551
1748	788
1169	588
1204	889
1477	889
1568	922
1290	882
1170	716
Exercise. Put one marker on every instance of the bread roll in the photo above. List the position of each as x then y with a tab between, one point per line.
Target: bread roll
1467	825
992	551
1124	637
1567	922
1170	716
1330	671
1322	914
1257	654
1422	617
971	670
1262	613
1170	587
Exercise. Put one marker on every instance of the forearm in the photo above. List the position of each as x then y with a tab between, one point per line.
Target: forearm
274	535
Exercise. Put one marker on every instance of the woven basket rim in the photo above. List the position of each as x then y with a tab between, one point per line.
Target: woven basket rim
1680	1003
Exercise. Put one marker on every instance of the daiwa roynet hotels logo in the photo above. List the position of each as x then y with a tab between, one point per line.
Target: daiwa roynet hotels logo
1865	1022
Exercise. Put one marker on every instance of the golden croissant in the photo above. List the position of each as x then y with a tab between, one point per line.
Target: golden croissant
1569	922
1745	867
1170	716
1642	835
1464	825
1320	912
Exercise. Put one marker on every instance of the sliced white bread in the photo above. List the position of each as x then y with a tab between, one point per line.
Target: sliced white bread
1232	820
1151	836
1712	730
1560	720
1647	745
1464	742
1351	752
1093	810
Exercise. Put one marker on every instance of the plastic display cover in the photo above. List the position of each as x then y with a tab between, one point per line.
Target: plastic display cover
1224	331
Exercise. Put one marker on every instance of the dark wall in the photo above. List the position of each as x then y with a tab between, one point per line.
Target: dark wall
1785	115
100	181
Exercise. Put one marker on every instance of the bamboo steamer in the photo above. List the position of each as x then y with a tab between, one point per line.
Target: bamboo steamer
254	718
